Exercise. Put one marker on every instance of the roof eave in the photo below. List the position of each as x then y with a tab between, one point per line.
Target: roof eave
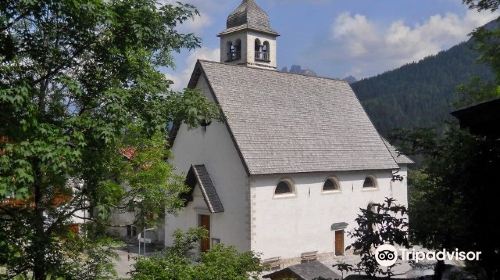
212	200
261	173
246	27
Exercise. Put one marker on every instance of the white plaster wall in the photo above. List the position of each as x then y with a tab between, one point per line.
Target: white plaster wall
188	217
213	147
400	188
288	226
120	220
79	217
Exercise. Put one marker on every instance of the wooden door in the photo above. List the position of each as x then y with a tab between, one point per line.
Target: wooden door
205	223
339	243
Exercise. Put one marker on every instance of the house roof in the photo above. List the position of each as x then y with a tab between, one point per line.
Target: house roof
286	123
307	271
481	118
248	15
397	155
198	174
128	152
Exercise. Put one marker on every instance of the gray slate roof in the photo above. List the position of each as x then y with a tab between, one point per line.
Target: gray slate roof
289	123
308	271
398	156
199	174
248	15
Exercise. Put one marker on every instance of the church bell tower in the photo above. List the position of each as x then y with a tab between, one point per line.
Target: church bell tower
249	39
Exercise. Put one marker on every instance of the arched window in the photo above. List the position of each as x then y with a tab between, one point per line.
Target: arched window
266	51
258	46
237	50
258	50
284	187
331	184
370	182
234	50
229	50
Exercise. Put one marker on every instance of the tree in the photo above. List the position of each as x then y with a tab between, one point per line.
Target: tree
138	178
451	201
221	262
475	91
487	40
79	82
343	268
378	224
483	4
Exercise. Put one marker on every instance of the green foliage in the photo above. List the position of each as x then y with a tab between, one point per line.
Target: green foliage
186	242
220	263
476	91
451	201
378	224
151	187
487	40
96	263
223	262
483	4
343	268
79	82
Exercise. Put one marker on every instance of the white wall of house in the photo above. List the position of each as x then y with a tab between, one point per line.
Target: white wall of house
120	220
188	218
287	226
214	148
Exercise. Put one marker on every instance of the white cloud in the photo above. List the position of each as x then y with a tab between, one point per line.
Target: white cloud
181	78
363	47
197	24
208	11
207	6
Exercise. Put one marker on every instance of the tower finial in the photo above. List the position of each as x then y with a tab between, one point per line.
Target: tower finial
249	39
250	14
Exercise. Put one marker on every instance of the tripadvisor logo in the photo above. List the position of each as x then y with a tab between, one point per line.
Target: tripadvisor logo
387	255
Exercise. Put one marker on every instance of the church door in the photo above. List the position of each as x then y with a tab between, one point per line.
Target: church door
205	223
339	243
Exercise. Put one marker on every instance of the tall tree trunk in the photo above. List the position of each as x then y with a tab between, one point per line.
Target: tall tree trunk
39	239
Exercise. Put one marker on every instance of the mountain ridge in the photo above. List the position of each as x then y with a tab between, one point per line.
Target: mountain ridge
420	94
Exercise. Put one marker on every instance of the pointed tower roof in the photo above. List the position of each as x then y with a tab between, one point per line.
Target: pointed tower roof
248	15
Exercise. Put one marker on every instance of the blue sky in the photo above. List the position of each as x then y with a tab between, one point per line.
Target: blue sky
338	38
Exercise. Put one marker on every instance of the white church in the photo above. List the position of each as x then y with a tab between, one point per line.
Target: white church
296	157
